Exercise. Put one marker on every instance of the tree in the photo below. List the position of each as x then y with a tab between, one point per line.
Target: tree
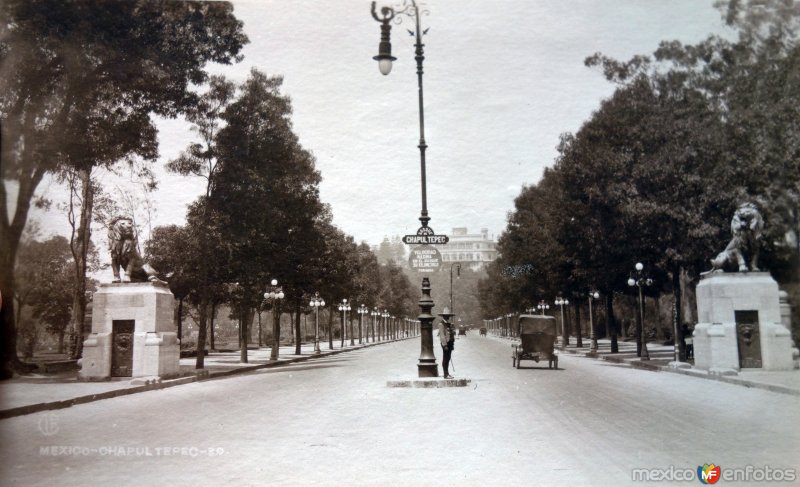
397	293
46	282
101	69
174	251
366	284
338	266
718	132
265	199
200	160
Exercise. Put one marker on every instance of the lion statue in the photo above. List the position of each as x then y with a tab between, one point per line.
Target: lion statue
746	227
123	245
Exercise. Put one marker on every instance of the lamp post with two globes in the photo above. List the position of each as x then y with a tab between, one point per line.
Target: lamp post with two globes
640	281
592	335
542	306
362	310
274	294
564	335
374	315
344	307
316	302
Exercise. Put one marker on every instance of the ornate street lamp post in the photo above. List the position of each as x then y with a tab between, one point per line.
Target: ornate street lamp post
344	307
362	310
542	306
385	324
274	294
316	303
564	335
639	281
374	315
426	366
592	335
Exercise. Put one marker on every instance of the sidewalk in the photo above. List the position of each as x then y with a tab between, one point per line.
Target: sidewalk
783	381
39	392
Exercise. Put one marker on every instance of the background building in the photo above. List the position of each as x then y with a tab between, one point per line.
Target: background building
473	250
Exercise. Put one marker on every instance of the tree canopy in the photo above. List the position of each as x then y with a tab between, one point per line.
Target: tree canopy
100	70
655	174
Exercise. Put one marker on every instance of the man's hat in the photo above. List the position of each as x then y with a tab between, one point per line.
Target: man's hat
446	314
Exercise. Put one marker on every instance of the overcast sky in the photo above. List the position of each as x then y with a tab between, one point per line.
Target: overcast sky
503	79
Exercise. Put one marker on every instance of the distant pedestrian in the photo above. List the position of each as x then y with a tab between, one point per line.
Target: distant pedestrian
447	339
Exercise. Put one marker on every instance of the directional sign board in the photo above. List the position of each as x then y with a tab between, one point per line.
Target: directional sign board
425	258
425	239
425	236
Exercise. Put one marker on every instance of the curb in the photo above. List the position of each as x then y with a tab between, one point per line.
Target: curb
690	372
200	375
428	383
737	381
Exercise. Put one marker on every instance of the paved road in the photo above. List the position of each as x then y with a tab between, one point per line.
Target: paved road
334	422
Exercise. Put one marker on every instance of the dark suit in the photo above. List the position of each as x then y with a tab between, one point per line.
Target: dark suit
446	339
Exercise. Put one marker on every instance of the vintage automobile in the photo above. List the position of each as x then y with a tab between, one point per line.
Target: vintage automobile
537	335
483	332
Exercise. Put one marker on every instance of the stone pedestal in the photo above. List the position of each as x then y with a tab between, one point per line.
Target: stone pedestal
740	325
133	333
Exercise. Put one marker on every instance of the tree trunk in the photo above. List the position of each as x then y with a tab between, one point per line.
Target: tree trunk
611	322
79	245
623	329
330	330
276	333
676	315
291	328
260	330
201	332
639	327
242	336
61	334
578	331
10	235
299	334
179	320
212	323
251	320
8	347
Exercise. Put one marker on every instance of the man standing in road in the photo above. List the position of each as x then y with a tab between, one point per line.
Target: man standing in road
447	339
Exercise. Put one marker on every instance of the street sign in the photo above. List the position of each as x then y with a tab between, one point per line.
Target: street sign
425	236
425	239
425	258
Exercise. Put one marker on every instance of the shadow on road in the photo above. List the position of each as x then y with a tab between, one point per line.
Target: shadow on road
534	367
297	368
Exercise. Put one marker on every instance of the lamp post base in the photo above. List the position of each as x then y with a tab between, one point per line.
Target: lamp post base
427	366
427	369
645	353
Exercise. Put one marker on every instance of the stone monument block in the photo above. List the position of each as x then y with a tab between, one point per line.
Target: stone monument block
133	333
740	324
